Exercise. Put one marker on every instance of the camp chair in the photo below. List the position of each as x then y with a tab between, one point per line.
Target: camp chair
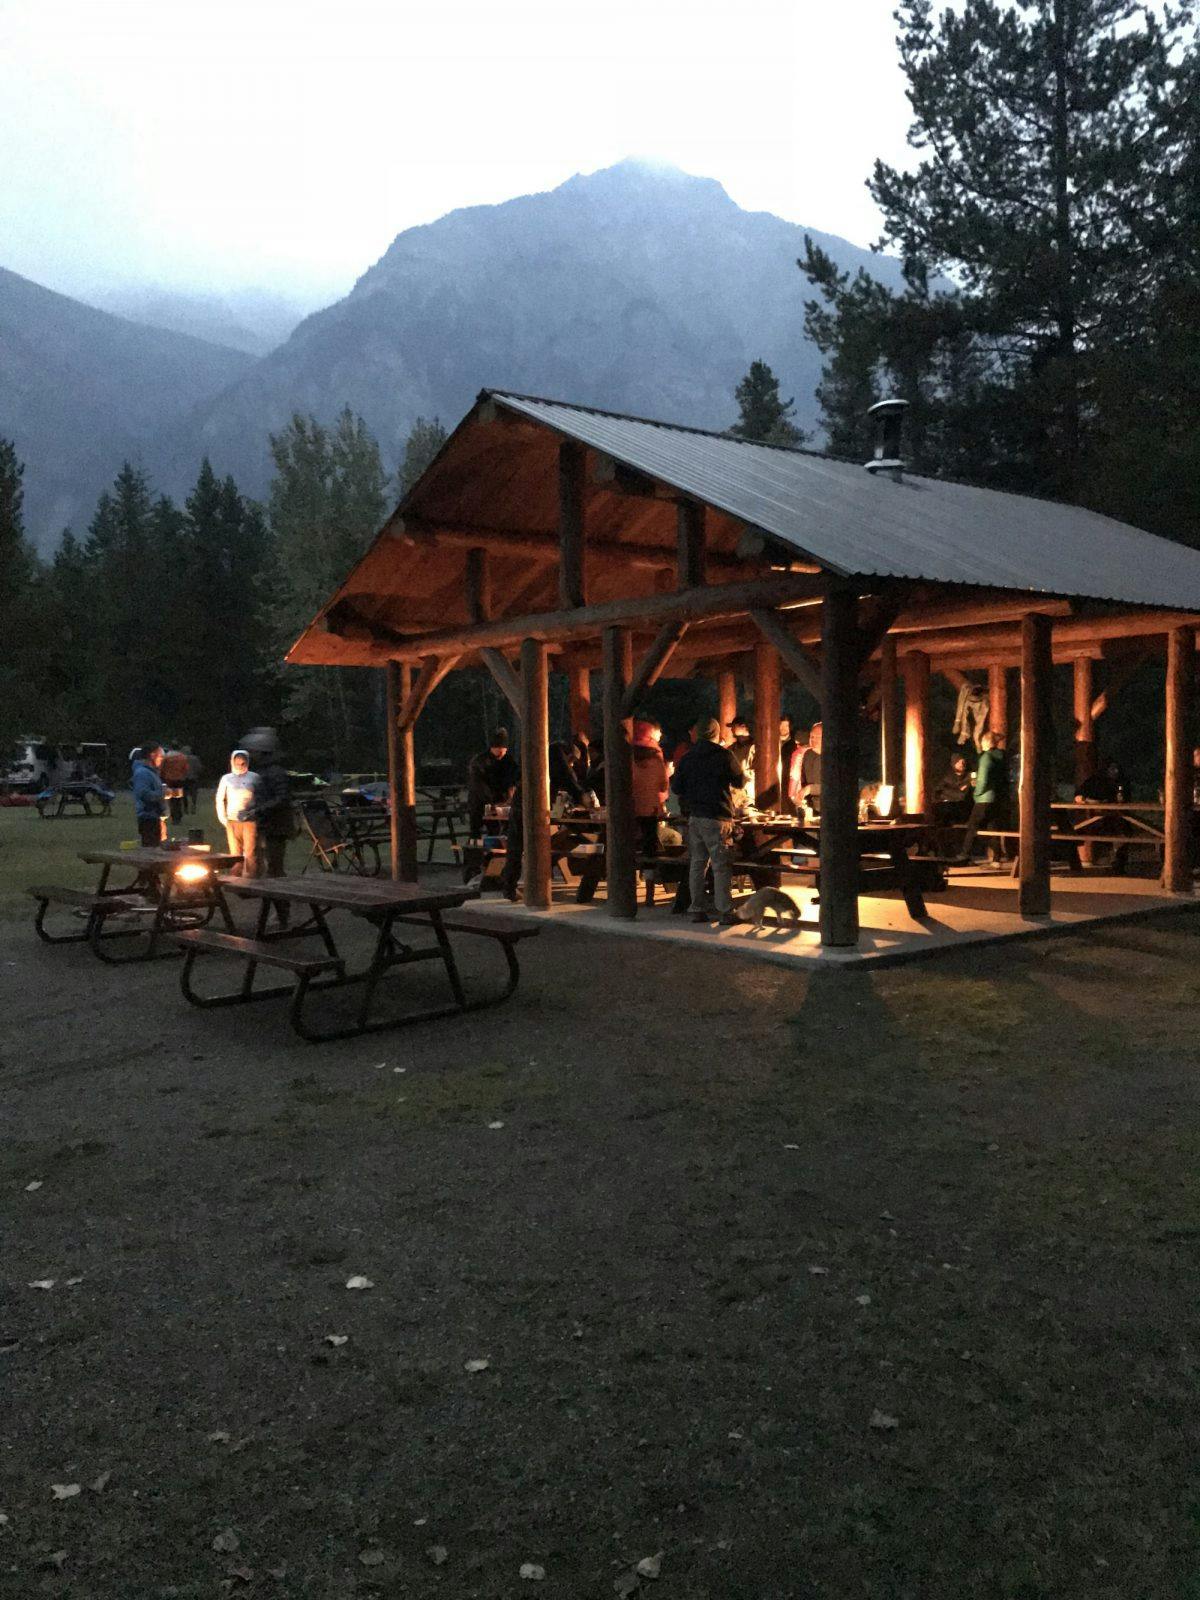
335	848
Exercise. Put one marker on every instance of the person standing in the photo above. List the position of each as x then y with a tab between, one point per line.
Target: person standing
272	811
149	795
650	784
237	794
989	797
705	781
175	770
492	776
808	786
191	787
788	745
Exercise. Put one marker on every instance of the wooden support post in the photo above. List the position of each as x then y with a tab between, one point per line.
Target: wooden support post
620	833
766	726
799	657
392	681
726	698
998	699
579	698
916	734
1177	777
890	738
506	679
572	464
839	768
479	586
689	527
1037	764
404	825
1085	737
535	773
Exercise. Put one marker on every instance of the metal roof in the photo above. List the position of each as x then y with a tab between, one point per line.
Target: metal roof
852	522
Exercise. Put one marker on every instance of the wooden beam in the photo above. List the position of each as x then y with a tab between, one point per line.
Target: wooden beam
432	672
579	696
572	464
917	790
653	664
583	622
994	639
1085	735
839	769
1119	676
998	698
392	673
935	616
877	615
798	657
1177	777
507	680
766	726
726	698
891	739
1037	765
622	479
535	545
479	584
404	806
689	537
535	774
620	828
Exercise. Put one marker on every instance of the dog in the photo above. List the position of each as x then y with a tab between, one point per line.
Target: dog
755	906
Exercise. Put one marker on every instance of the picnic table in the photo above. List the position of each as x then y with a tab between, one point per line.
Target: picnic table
391	908
53	802
884	859
158	902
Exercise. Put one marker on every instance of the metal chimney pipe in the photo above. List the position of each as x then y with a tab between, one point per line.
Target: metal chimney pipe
889	417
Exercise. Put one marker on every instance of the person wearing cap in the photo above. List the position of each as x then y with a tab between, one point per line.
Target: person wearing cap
491	778
237	793
650	785
705	781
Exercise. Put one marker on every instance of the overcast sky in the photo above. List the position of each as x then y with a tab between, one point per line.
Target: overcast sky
284	143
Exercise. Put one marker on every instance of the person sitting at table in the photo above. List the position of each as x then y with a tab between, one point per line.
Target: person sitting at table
650	783
237	794
706	781
562	773
149	795
491	778
952	801
1107	786
806	785
989	797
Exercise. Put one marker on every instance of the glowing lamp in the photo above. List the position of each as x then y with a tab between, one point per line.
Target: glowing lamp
192	872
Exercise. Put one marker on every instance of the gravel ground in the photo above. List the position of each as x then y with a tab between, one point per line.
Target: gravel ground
877	1285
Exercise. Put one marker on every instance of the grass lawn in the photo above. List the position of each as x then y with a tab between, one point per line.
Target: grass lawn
872	1285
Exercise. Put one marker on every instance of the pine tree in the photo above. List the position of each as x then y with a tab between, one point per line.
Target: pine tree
18	567
423	443
327	500
763	417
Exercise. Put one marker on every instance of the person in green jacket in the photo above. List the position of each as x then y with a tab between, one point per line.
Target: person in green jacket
990	794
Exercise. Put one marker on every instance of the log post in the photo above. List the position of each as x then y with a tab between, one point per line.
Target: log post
726	698
535	773
766	726
620	831
916	734
572	464
1085	736
402	763
392	683
1037	765
579	698
998	699
479	585
689	526
839	768
1177	777
890	739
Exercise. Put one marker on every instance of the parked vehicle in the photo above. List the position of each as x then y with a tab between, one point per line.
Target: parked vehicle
35	764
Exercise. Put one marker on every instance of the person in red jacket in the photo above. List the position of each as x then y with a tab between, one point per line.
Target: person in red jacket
650	785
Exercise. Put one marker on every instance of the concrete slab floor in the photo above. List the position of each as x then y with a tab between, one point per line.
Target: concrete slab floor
978	907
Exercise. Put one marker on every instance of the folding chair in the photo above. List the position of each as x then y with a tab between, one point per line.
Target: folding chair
333	848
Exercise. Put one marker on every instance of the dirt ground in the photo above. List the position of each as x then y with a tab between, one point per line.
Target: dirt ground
875	1285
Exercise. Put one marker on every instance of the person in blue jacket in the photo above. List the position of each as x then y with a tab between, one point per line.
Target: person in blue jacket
149	796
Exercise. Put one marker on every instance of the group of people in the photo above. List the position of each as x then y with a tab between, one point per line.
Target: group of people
253	804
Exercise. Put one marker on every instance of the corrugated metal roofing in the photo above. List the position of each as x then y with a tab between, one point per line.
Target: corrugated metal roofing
852	522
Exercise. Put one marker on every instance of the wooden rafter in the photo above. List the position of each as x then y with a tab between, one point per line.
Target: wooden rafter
652	665
433	670
536	545
507	679
803	662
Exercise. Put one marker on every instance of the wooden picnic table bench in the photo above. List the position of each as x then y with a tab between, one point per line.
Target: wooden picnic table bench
159	898
390	908
97	907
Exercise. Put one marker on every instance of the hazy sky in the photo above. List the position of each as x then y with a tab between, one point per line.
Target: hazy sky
220	143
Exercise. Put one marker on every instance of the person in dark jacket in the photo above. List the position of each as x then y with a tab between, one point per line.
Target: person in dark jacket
491	778
989	798
952	801
649	783
149	795
272	811
705	781
1108	786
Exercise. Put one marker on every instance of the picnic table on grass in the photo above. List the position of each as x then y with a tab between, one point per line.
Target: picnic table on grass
161	900
391	908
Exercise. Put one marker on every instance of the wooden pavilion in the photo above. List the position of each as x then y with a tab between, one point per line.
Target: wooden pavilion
553	536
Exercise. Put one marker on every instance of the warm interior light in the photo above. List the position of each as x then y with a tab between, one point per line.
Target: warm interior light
884	797
192	872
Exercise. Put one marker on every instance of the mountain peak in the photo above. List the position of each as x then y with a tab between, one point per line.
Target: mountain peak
644	175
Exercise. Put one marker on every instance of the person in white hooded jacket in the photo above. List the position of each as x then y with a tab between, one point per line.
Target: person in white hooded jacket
236	795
